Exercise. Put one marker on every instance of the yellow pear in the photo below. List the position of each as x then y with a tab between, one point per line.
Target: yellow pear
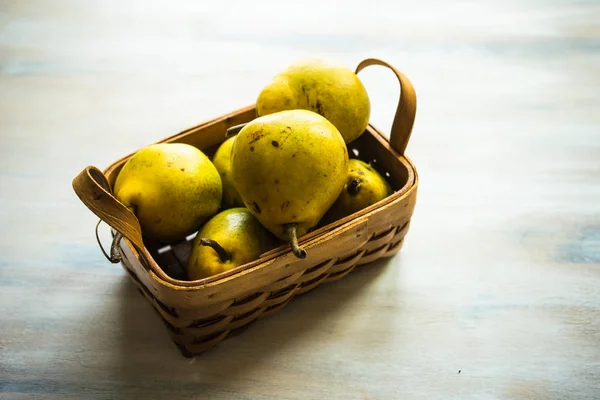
172	188
364	186
289	167
231	238
323	86
222	161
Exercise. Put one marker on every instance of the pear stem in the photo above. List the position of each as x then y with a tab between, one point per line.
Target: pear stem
234	129
293	239
224	255
353	187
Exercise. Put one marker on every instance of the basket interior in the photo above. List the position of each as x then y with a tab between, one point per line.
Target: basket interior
370	147
172	257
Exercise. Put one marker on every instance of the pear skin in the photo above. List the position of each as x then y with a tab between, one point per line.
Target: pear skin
322	86
172	188
222	161
364	186
231	238
289	168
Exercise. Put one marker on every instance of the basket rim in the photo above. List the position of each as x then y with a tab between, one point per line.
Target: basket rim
159	275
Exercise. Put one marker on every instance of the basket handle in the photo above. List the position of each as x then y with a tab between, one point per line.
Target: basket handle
407	106
94	191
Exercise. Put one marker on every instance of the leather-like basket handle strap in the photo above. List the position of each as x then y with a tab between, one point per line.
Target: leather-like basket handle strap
407	106
93	190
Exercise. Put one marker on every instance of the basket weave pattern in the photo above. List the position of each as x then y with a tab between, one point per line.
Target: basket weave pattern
197	335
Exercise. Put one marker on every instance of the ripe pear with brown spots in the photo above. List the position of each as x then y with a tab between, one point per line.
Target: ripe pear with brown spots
172	188
364	186
323	86
289	167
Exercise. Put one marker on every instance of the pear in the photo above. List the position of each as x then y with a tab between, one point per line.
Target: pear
364	186
229	239
172	188
323	86
222	161
289	167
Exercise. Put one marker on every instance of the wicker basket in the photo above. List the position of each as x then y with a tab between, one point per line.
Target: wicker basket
200	314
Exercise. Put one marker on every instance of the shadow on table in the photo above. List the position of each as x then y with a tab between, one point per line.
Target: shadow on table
152	362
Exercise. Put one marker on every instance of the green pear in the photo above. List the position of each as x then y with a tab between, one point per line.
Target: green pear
222	161
323	86
172	188
364	186
289	167
231	238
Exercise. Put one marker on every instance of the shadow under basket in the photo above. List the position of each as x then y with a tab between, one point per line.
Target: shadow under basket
200	314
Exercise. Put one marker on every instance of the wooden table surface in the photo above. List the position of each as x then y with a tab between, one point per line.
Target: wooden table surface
496	293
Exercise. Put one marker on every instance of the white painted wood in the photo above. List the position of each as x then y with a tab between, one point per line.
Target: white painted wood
495	293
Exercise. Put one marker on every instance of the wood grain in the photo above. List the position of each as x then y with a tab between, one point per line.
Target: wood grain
498	278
